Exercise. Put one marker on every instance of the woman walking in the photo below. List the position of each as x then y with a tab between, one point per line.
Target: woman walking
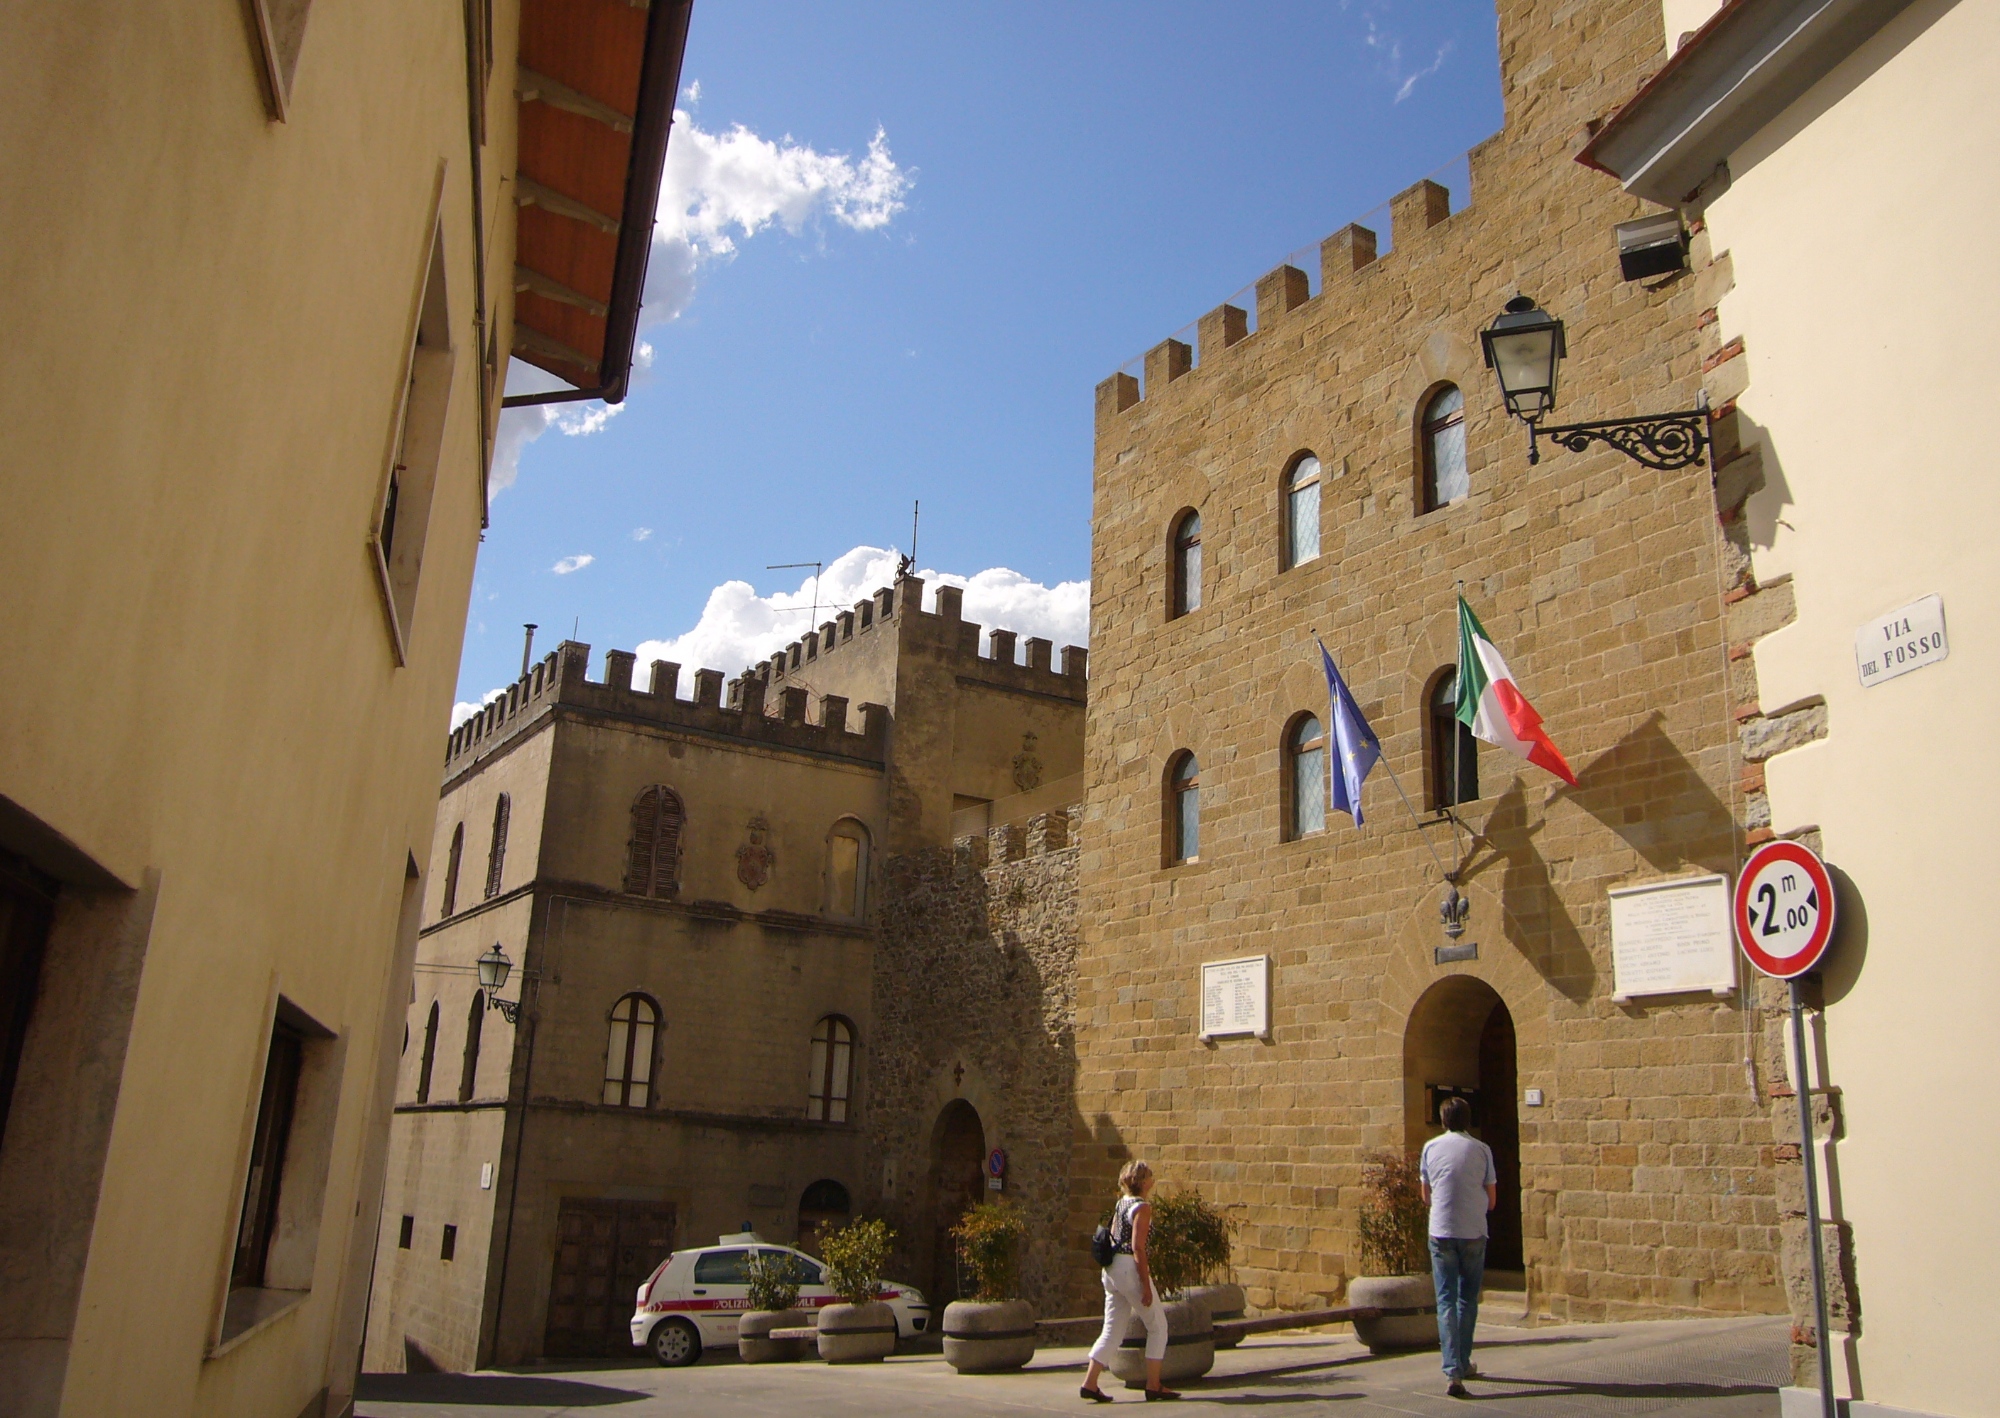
1128	1287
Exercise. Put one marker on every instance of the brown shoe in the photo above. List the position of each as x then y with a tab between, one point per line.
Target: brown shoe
1160	1395
1096	1395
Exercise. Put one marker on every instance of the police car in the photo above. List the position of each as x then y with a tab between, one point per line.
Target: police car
693	1299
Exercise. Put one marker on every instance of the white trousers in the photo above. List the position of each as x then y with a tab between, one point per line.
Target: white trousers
1121	1303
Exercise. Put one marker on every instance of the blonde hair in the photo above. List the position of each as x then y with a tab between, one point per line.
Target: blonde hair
1132	1176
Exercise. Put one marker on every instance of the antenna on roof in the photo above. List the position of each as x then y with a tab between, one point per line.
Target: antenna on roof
906	564
817	566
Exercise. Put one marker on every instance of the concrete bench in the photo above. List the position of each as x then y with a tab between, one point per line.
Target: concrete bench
1081	1329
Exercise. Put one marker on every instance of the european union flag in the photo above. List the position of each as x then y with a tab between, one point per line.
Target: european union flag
1356	748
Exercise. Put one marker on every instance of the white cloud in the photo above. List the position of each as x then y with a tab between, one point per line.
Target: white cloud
640	534
572	563
738	627
717	189
1435	65
464	710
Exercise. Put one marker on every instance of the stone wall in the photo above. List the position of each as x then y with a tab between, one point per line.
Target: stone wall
975	978
1647	1160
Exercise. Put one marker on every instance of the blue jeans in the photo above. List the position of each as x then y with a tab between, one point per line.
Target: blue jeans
1458	1269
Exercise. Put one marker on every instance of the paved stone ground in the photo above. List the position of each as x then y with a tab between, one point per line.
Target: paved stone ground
1712	1368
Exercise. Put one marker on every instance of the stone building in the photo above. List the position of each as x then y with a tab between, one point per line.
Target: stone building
1862	527
721	914
264	264
1340	469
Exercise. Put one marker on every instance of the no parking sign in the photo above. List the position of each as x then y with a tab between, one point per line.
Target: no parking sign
1784	909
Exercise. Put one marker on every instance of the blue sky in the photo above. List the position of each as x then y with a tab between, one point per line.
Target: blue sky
1054	188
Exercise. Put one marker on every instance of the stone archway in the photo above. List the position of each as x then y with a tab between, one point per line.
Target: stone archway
958	1150
1459	1039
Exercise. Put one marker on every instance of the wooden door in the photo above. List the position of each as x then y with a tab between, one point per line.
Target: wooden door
604	1249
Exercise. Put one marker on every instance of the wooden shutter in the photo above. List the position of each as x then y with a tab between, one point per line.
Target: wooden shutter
667	845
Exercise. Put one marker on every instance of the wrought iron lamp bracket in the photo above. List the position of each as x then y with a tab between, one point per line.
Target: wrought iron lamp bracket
510	1009
1662	441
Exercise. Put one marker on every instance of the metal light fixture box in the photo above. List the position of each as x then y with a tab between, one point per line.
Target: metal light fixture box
1652	246
1525	348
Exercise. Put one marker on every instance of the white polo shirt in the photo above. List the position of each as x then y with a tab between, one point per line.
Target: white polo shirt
1458	1168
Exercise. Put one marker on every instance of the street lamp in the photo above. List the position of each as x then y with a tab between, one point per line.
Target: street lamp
1525	348
494	967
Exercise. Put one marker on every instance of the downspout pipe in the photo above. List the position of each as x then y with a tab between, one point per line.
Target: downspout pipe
659	84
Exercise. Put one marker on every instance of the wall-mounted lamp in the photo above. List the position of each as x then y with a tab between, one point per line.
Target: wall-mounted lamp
494	967
1652	246
1525	348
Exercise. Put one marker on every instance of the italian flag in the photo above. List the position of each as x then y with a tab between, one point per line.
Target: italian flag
1492	705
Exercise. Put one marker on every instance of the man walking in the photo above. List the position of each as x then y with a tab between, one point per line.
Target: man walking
1460	1186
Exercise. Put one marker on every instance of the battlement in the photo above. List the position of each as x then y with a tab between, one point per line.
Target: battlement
1042	835
943	631
561	678
1350	253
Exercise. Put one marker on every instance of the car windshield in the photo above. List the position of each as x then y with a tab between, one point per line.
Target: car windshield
721	1268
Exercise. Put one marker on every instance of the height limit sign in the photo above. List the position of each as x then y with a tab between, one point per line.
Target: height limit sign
1784	909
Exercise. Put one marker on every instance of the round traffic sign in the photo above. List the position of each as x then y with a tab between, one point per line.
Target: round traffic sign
1784	909
996	1163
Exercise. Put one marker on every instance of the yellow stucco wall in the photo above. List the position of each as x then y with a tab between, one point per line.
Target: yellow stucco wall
209	316
1859	224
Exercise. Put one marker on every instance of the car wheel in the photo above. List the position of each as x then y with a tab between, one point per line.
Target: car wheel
675	1343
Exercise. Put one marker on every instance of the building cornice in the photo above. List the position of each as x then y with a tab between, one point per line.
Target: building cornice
1734	75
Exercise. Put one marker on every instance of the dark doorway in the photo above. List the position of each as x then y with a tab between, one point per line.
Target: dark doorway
1500	1129
824	1206
958	1148
1460	1042
604	1249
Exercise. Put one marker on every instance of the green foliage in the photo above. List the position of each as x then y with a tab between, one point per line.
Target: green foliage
989	1238
1188	1242
774	1280
855	1256
1394	1219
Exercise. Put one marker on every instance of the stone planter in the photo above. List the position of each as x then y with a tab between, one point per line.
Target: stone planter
857	1334
1410	1303
988	1336
754	1344
1190	1346
1225	1302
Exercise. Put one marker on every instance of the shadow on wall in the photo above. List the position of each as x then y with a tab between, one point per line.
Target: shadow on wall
1644	789
1536	921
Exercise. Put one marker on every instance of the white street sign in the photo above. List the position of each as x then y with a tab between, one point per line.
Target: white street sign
1901	641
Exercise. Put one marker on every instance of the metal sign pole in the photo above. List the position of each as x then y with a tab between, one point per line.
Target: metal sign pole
1828	1404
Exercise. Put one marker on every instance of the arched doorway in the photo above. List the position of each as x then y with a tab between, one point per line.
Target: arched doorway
824	1206
958	1147
1460	1041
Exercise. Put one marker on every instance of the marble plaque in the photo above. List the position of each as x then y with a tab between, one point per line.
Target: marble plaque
1236	997
1672	937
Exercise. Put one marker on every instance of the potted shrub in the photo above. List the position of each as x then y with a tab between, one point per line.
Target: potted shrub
1395	1257
774	1289
860	1329
1188	1241
1204	1232
994	1331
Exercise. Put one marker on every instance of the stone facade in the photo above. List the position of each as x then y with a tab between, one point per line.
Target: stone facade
564	1183
1646	1179
989	928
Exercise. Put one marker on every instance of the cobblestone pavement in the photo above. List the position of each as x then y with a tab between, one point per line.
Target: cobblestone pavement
1711	1368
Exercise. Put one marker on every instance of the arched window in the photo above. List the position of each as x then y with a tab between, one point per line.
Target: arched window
1185	593
497	857
468	1071
653	858
830	1077
1183	810
824	1206
628	1056
1454	751
451	869
1305	755
429	1056
1443	449
1302	512
847	869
